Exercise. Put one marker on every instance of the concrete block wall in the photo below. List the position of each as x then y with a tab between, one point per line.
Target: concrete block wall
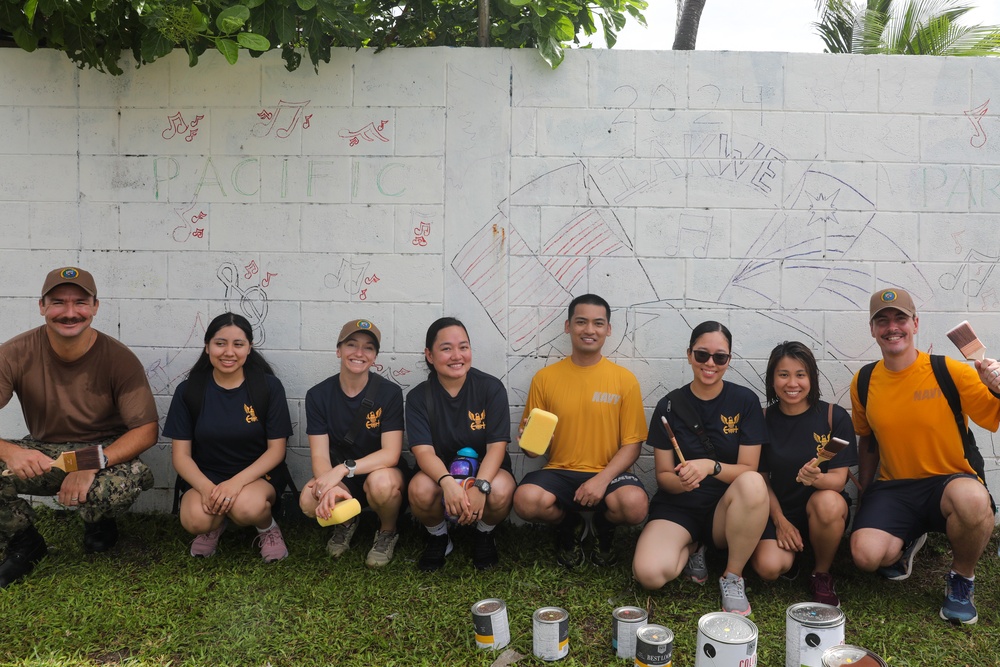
773	192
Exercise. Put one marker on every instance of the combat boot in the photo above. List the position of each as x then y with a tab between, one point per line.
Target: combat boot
24	551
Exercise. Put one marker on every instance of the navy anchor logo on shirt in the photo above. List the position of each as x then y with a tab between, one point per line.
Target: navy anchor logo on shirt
732	424
251	415
478	420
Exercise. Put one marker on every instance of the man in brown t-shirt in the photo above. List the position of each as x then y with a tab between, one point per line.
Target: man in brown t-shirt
77	387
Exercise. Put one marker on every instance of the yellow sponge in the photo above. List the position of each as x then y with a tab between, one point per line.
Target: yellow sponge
343	511
538	431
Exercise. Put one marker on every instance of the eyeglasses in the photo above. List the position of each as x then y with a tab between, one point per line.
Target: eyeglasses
702	356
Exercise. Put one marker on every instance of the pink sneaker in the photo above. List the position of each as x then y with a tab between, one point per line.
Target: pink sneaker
272	544
204	545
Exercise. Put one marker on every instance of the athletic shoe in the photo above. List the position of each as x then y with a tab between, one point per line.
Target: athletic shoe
696	569
821	587
340	541
734	596
604	554
484	550
958	604
902	568
382	549
204	545
272	544
437	549
569	541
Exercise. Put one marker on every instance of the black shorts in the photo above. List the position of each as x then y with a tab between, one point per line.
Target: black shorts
693	511
905	508
356	484
277	482
564	483
797	517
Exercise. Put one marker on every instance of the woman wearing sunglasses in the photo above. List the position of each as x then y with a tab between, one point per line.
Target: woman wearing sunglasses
715	496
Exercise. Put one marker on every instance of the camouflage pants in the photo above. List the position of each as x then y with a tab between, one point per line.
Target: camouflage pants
114	489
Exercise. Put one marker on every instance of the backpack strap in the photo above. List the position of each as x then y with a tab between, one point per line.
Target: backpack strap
680	406
950	391
864	379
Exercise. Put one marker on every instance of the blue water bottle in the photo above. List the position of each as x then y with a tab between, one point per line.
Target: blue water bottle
463	468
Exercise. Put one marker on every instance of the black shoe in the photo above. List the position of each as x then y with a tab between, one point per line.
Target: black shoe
484	550
569	541
100	537
24	551
438	546
604	550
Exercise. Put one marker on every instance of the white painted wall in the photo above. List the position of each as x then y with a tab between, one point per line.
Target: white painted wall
773	192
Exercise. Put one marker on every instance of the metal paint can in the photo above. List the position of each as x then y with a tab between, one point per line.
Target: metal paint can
550	633
489	617
810	629
726	640
845	654
654	645
624	622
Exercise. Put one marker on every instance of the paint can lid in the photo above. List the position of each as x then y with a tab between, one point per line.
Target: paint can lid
728	628
845	654
655	635
629	614
816	614
488	606
550	614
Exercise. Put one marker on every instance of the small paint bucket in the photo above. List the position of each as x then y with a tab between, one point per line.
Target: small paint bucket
726	640
490	620
550	636
845	654
810	629
654	645
624	622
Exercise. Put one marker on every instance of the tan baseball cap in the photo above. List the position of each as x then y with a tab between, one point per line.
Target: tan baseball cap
366	326
891	298
70	275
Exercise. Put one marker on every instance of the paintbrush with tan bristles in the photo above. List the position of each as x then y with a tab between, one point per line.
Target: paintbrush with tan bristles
88	458
826	452
673	440
967	342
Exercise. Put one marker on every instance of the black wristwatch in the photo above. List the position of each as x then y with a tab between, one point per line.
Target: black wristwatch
483	486
717	469
351	467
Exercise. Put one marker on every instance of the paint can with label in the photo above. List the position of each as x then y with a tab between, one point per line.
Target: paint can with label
490	620
550	633
855	656
810	629
726	640
624	622
654	645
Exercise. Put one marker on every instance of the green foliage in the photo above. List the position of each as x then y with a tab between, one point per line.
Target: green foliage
916	27
147	603
95	33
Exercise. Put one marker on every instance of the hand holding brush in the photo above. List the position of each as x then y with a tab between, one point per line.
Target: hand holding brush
88	458
973	349
824	453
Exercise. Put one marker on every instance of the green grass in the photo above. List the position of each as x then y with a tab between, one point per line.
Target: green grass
148	603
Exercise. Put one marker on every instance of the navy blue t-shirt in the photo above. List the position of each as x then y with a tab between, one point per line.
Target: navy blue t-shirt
329	411
229	436
793	443
477	416
733	419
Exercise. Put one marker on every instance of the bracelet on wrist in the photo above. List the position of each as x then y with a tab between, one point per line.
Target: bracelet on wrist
443	476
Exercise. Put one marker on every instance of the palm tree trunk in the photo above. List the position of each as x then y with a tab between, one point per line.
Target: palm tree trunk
687	25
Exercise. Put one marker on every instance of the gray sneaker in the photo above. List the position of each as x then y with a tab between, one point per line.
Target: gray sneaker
902	568
734	595
381	551
340	541
696	569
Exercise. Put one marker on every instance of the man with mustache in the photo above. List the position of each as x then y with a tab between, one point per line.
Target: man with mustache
77	387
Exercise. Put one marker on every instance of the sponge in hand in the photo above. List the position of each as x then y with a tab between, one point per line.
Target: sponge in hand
538	431
343	511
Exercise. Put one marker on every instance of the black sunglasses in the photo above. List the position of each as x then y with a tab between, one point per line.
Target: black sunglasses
720	358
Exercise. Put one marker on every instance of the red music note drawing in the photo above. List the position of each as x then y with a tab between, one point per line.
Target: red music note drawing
178	127
189	220
421	233
283	131
369	133
975	116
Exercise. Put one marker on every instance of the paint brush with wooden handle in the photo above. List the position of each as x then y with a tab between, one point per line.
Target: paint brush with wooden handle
967	342
88	458
826	452
673	440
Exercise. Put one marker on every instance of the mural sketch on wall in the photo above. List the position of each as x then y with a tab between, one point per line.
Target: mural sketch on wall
252	302
285	123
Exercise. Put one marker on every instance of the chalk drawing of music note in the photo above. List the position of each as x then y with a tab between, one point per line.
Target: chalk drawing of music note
253	299
694	226
974	285
349	276
294	108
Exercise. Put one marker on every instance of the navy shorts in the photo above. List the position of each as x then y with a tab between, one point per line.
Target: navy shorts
692	511
564	483
797	517
905	508
356	485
